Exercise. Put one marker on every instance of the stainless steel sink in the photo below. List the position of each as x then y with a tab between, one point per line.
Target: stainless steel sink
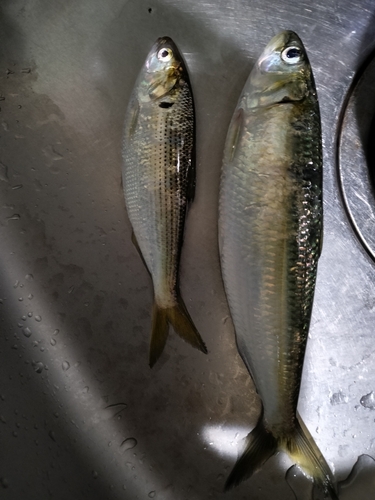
81	414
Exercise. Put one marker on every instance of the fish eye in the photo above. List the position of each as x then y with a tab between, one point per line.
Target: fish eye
165	55
291	55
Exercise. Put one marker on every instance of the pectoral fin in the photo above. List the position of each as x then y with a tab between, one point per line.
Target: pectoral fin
234	133
132	118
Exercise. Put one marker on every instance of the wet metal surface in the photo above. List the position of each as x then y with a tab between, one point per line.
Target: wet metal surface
356	142
81	414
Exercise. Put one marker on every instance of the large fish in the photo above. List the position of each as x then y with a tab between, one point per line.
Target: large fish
270	233
159	182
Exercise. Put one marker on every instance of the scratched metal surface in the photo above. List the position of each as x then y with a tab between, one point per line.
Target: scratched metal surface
81	414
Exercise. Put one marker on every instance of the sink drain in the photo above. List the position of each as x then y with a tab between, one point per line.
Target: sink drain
356	155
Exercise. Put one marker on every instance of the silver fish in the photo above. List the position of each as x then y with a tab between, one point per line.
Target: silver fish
159	182
270	234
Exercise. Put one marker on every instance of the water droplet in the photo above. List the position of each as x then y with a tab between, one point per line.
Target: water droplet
16	284
110	443
368	401
53	341
52	435
14	217
95	474
38	366
18	186
20	299
71	289
30	314
26	331
86	389
129	444
152	494
4	482
65	365
42	349
29	277
56	332
24	318
25	70
15	434
56	414
2	397
339	398
38	318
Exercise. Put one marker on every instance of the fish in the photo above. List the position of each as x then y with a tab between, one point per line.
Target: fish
158	177
270	240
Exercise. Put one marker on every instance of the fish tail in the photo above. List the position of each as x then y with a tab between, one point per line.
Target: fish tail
182	323
261	444
159	333
303	450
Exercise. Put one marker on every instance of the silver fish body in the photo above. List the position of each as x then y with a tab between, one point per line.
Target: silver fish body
270	231
159	181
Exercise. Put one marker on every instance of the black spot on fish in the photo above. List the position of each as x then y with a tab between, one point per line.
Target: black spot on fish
166	105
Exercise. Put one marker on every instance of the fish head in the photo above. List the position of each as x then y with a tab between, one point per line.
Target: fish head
282	72
164	69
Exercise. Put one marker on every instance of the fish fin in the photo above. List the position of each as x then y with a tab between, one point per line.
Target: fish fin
135	243
132	118
234	132
183	325
303	450
159	333
260	446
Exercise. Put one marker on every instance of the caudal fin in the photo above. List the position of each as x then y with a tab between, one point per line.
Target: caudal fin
300	446
182	323
260	446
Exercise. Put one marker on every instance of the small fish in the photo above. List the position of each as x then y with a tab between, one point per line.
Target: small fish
159	183
270	236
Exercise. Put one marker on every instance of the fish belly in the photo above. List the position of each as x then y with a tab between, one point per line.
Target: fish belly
155	199
259	250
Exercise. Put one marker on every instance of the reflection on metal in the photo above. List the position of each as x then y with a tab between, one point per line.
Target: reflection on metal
356	155
225	440
66	73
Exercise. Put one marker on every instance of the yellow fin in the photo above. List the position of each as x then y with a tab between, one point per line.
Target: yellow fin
182	323
261	444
